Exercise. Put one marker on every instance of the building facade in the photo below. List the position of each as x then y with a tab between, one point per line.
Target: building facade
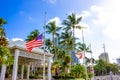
104	56
118	61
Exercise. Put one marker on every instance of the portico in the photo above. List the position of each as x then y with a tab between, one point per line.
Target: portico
33	59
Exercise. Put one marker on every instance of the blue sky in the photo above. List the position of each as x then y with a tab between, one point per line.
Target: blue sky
101	17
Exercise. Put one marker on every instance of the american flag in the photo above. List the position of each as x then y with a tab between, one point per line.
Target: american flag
34	43
79	55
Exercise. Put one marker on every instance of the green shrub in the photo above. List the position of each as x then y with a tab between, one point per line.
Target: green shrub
63	77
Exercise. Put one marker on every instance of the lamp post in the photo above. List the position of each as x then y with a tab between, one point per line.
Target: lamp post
92	62
84	60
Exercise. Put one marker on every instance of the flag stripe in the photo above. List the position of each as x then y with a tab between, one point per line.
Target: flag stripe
79	55
34	43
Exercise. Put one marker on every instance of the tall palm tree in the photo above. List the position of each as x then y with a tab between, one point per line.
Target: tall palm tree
4	51
52	28
71	22
32	35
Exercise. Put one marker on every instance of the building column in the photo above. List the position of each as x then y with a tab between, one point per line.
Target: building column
49	69
15	65
28	71
22	72
3	70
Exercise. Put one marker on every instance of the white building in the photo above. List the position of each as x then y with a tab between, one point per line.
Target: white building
22	57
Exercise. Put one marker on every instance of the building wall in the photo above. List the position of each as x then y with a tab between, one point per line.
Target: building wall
118	61
104	56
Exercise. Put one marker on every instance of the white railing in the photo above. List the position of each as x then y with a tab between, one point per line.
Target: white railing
107	77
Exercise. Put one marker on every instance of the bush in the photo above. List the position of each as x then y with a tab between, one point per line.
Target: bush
63	77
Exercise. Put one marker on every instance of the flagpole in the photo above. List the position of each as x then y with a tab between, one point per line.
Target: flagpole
44	47
92	61
84	54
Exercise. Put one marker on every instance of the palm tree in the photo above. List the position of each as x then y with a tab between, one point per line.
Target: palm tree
71	22
83	47
32	35
5	56
67	40
3	40
48	45
2	32
2	22
56	67
65	63
52	28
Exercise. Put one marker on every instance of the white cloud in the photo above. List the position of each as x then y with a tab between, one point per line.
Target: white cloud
57	20
105	20
108	17
99	14
85	14
16	39
86	31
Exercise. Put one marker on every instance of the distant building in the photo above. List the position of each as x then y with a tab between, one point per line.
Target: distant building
104	56
74	59
118	61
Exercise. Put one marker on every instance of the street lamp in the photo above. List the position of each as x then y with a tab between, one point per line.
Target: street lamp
92	62
84	60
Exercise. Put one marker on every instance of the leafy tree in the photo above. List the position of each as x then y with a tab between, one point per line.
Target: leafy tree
65	63
104	68
56	67
100	67
5	56
78	71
